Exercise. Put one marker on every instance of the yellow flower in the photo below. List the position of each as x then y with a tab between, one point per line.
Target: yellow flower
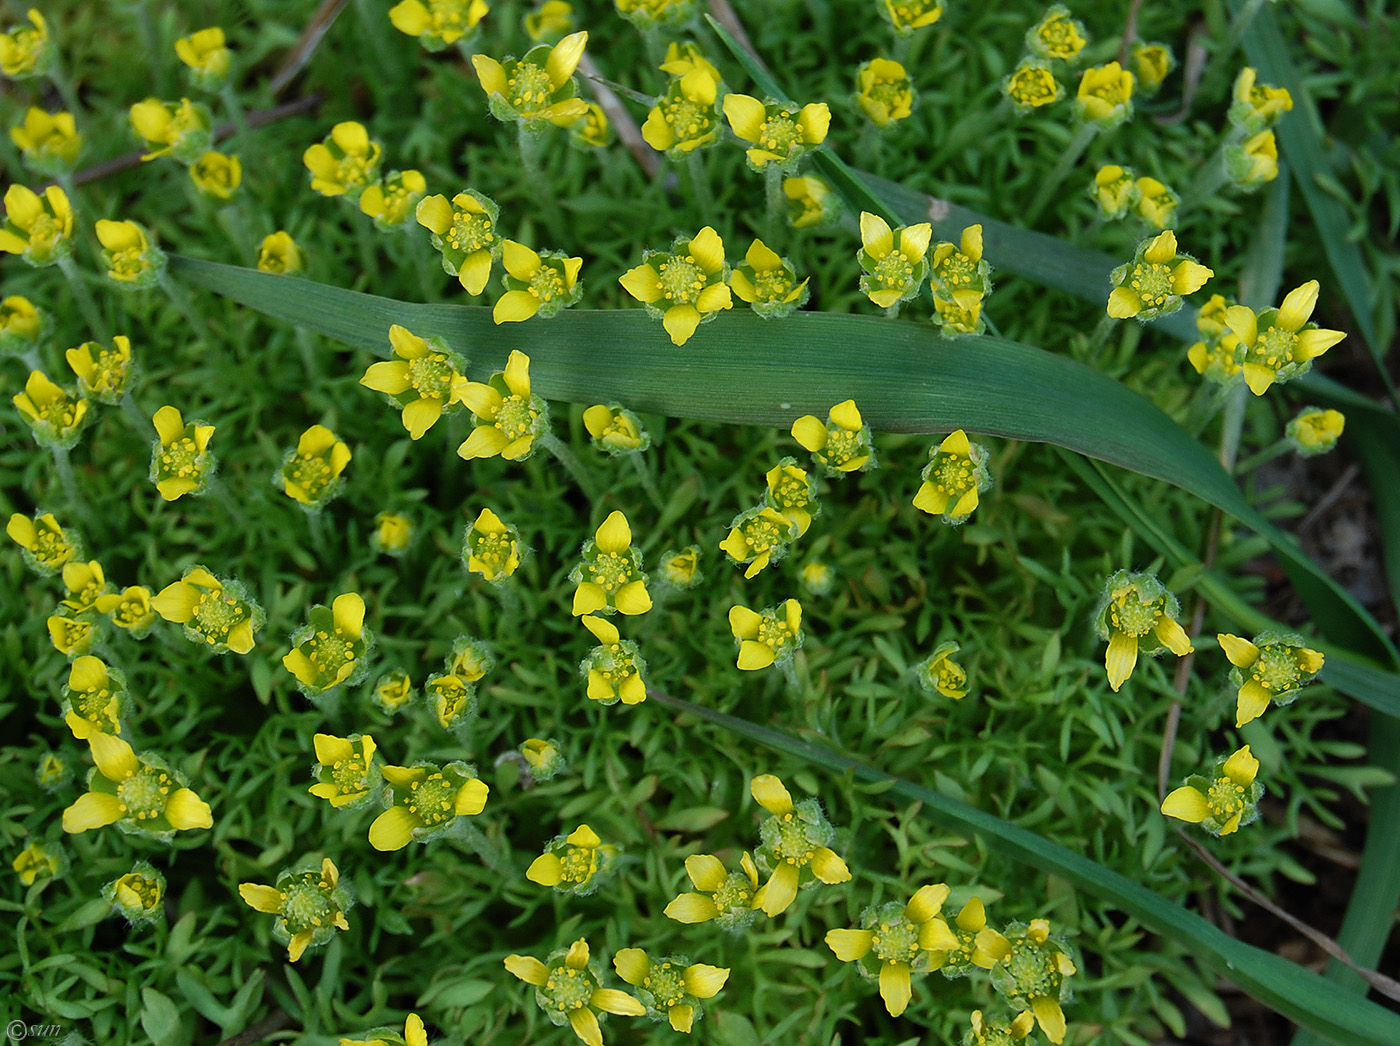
438	24
843	444
536	284
205	53
1223	802
614	669
542	757
685	287
615	430
1034	973
940	674
954	479
817	577
726	897
684	118
344	771
959	316
50	144
670	988
680	568
180	459
894	263
215	613
538	88
958	272
25	50
1218	357
779	134
1105	95
424	799
1315	431
331	650
610	577
310	474
1031	85
897	940
759	536
811	202
131	259
85	582
139	895
506	418
1137	614
217	175
130	609
884	91
452	694
977	943
140	794
1257	106
1115	190
103	374
1057	35
425	380
796	845
345	163
1156	203
766	638
391	201
52	772
71	636
1152	63
392	533
907	15
569	991
414	1034
1272	668
37	228
575	863
43	543
55	415
279	253
180	131
21	325
1280	344
768	282
464	232
1253	162
793	493
1001	1033
310	906
682	58
549	22
591	130
491	548
39	861
1154	282
651	15
393	691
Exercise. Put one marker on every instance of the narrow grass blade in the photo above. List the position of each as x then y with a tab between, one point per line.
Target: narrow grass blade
1298	994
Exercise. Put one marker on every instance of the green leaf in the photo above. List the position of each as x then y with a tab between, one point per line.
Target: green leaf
160	1018
693	819
1300	995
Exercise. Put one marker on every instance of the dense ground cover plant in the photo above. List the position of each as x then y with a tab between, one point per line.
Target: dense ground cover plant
374	672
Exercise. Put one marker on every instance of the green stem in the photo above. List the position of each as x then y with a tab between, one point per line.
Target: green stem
1068	159
571	463
138	421
58	76
87	305
1237	29
490	855
892	311
1096	340
235	109
181	301
31	359
1232	424
532	142
63	465
1208	181
316	527
310	356
155	54
1270	452
648	483
777	206
700	186
218	490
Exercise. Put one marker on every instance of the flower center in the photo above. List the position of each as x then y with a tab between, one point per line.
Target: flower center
893	95
130	612
687	119
1152	282
1033	971
180	458
665	984
516	417
494	550
329	651
470	232
45	232
1060	38
841	445
792	846
215	615
432	799
453	694
619	666
61	413
1225	799
894	270
109	373
773	633
147	891
1130	615
528	88
430	376
51	549
681	279
951	675
611	571
1277	669
956	270
578	864
896	941
761	535
547	284
1274	347
312	474
145	793
305	904
772	285
952	475
1032	86
353	170
98	705
349	774
780	134
569	989
790	492
735	893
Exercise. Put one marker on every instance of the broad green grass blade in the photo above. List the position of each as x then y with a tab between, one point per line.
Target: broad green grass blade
1300	995
1299	140
746	370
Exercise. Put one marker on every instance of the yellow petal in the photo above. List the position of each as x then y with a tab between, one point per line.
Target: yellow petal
611	1000
1121	658
546	869
778	893
745	116
517	374
1052	1019
810	433
935	936
185	810
528	969
261	898
1243	323
475	271
1241	652
1172	636
1162	249
682	1017
914	241
1186	804
1252	701
690	908
642	282
603	629
1189	277
847	416
564	58
589	598
828	867
1298	306
390	377
850	945
932	499
706	872
93	810
421	415
754	655
470	799
1123	303
1313	343
515	307
771	794
704	982
114	758
585	1024
680	322
614	535
895	988
633	598
490	74
875	234
926	903
486	441
1242	767
632	965
393	829
714	298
